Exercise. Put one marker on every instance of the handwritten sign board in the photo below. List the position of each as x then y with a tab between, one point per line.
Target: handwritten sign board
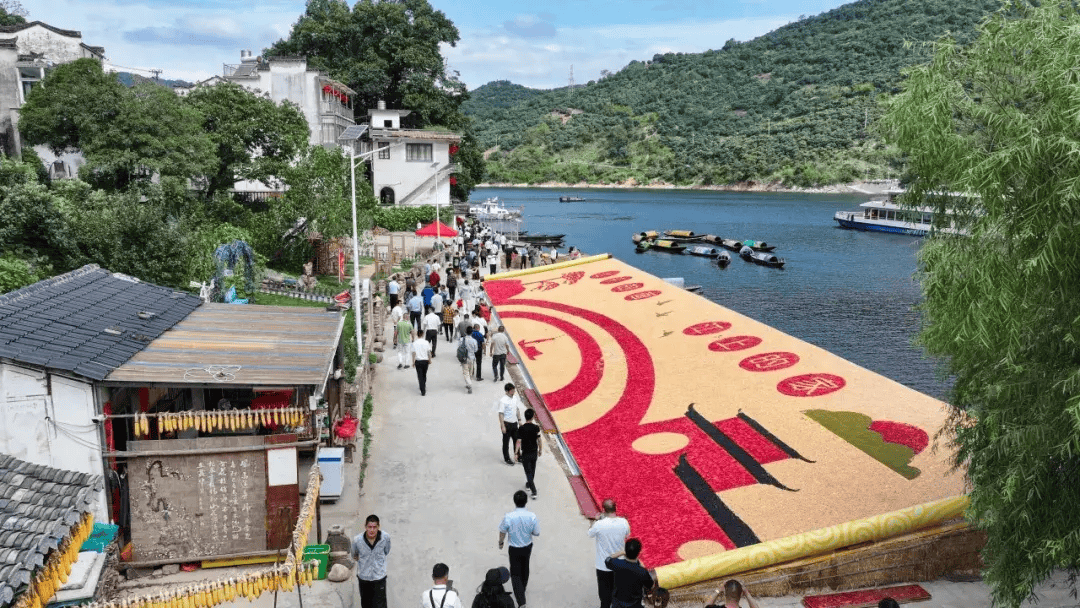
197	506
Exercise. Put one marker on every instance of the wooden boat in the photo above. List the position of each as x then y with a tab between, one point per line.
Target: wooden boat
704	251
643	246
761	258
570	199
731	244
711	239
645	236
682	236
533	238
668	246
723	259
759	245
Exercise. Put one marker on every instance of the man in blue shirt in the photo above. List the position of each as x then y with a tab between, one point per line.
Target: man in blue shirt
416	310
479	337
520	525
427	293
632	580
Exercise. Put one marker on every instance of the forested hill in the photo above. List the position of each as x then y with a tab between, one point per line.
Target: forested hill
796	104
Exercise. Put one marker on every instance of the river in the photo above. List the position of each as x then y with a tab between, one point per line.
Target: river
849	292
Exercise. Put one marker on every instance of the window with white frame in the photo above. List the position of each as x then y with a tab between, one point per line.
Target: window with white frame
418	152
384	150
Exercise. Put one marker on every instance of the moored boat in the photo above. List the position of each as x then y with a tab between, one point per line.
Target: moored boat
493	210
704	251
761	258
535	238
731	244
648	235
643	246
570	199
723	259
759	245
683	236
668	246
886	215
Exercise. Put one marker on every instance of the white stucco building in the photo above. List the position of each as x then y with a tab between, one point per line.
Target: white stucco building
408	166
26	51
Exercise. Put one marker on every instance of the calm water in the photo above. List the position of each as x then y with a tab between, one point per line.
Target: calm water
849	292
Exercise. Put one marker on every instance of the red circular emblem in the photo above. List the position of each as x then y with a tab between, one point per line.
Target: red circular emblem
614	280
768	362
627	287
641	295
724	345
810	385
704	329
605	274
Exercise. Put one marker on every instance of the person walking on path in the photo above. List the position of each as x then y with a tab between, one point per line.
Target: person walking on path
441	595
466	326
491	593
451	284
510	407
448	320
416	310
434	279
632	580
498	346
528	448
426	295
392	289
468	362
479	337
733	591
432	321
370	549
437	301
421	359
396	314
610	532
520	525
404	334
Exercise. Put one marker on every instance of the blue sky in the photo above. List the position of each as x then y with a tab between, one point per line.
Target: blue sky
533	44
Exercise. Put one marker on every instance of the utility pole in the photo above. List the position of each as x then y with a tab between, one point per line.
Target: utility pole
571	81
156	73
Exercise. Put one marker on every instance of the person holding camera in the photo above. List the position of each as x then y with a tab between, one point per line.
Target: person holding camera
442	594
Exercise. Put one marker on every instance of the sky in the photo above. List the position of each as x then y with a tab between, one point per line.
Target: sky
535	45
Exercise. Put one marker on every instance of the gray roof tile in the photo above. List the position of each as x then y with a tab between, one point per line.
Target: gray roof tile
61	322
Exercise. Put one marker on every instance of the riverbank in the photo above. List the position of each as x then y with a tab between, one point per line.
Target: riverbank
867	187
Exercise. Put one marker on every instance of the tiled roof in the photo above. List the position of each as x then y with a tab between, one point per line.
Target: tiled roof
420	134
88	321
9	29
38	507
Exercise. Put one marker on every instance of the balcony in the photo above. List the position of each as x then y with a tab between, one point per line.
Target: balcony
333	107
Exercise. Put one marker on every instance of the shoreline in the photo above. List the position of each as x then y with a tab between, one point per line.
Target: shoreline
867	187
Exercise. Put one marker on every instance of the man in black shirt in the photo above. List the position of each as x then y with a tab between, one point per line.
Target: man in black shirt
528	448
632	580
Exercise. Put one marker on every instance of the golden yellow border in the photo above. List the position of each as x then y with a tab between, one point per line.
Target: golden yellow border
535	269
808	544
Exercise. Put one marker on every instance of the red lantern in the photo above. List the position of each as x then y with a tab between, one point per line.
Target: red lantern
453	149
453	180
327	88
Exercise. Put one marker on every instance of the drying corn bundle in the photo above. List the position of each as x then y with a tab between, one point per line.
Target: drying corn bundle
215	420
56	570
307	512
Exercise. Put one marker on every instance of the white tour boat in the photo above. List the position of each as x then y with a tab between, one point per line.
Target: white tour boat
493	210
886	215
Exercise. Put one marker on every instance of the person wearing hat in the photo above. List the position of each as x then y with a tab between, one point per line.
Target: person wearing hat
440	595
491	593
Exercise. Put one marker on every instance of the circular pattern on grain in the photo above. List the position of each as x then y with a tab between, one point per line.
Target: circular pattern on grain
699	548
660	443
627	287
724	345
769	362
605	274
641	295
614	280
811	385
709	327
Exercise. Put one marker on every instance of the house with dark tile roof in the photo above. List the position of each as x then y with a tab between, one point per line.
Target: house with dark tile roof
58	338
195	412
45	515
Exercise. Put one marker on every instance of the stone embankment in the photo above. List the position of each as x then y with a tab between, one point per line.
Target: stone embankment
868	187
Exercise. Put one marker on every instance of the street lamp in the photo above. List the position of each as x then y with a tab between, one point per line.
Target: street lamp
351	135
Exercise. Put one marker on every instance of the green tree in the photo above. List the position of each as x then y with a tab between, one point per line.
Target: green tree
384	50
997	120
255	139
69	105
12	13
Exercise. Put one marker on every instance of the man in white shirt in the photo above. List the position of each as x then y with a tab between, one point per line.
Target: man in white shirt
436	302
392	288
498	346
440	595
610	532
396	314
554	255
421	359
478	320
432	323
510	408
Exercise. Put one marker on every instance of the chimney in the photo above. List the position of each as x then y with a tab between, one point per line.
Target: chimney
382	105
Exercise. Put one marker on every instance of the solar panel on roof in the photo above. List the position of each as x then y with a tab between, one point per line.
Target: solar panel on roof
352	133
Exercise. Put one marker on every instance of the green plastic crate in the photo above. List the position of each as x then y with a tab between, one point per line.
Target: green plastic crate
320	553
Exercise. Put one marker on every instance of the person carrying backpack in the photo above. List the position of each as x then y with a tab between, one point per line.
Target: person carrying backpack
491	593
466	356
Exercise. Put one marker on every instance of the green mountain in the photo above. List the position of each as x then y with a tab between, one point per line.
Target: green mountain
797	104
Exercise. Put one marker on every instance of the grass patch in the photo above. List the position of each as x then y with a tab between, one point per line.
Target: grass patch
273	299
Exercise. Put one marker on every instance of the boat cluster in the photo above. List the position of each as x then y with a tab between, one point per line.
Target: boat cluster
707	245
